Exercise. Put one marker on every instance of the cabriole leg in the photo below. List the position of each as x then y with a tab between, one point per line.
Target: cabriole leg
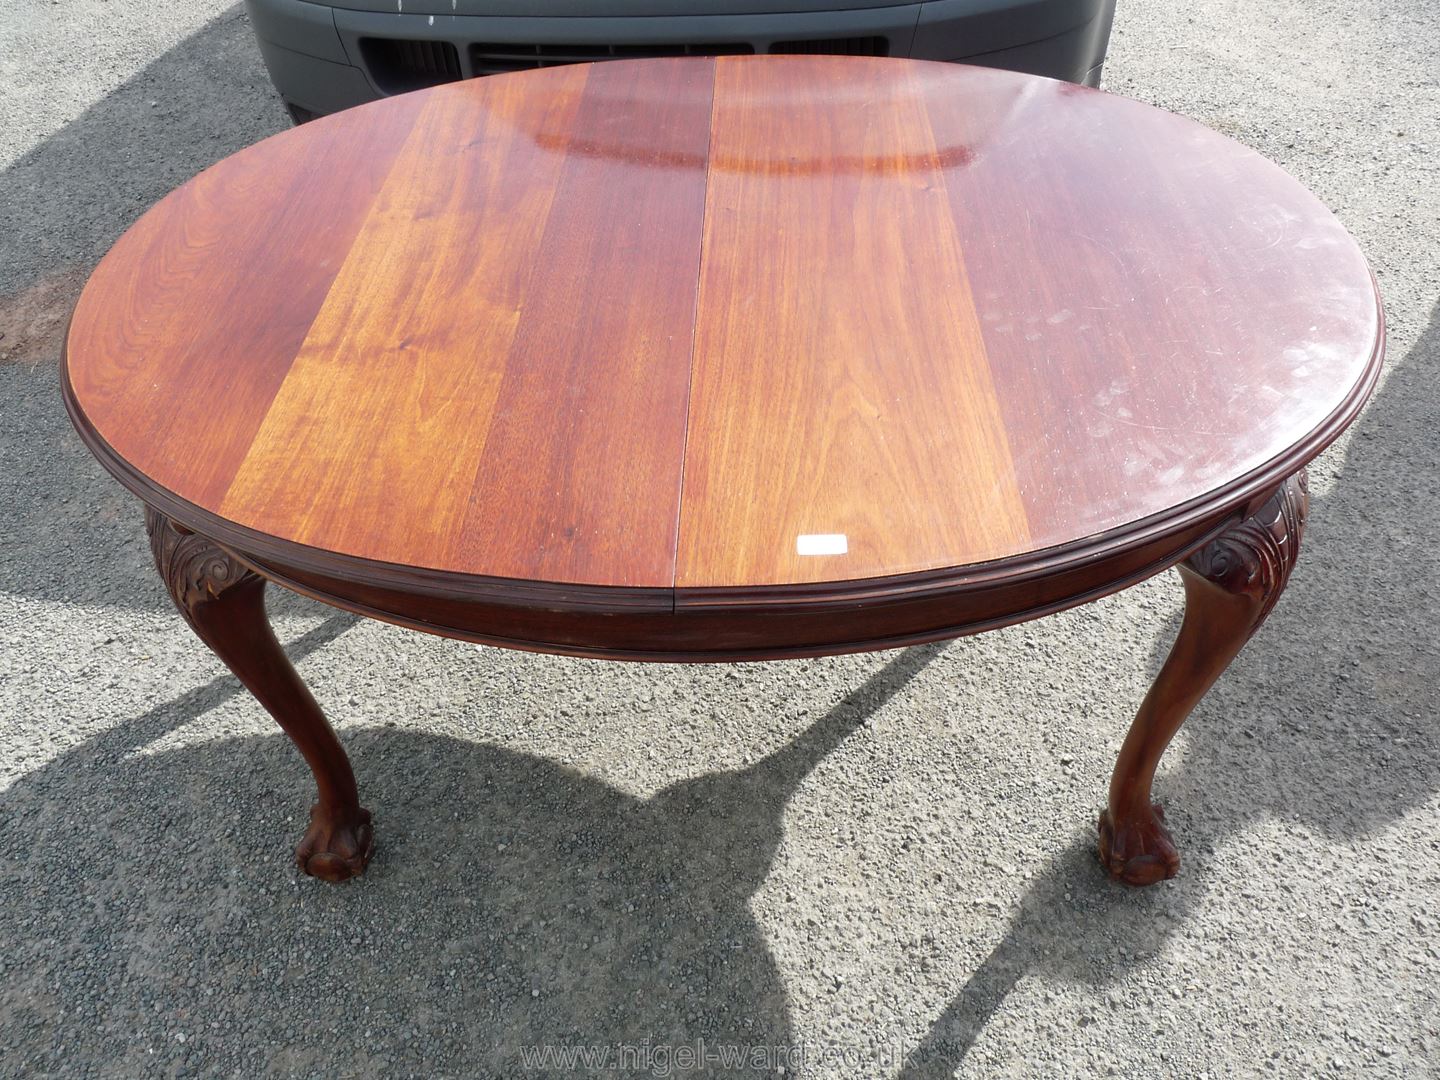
224	603
1230	586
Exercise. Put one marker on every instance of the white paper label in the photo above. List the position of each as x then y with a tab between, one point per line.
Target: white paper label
821	544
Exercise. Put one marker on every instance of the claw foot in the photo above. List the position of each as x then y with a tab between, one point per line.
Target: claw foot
336	848
1139	851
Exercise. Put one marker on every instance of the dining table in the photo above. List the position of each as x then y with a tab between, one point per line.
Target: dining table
724	359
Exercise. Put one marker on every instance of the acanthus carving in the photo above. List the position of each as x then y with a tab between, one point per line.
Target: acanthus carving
1255	557
194	568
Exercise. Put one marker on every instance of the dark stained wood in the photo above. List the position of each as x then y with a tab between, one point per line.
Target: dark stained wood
224	603
734	359
1231	585
639	328
1163	309
191	322
925	611
733	625
840	383
483	355
591	413
373	442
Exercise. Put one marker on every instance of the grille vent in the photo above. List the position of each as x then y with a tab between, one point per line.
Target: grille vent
491	58
398	66
853	46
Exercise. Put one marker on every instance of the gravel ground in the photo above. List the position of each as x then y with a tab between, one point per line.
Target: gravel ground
884	856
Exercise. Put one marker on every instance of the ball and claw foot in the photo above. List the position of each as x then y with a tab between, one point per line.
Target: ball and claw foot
1140	852
335	848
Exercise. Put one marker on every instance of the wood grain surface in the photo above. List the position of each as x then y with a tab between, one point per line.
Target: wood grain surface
694	332
817	407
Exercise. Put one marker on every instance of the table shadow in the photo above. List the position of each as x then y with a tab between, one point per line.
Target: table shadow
549	908
1339	676
63	203
1326	720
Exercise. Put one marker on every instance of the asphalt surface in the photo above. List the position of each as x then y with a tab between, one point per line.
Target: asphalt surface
886	857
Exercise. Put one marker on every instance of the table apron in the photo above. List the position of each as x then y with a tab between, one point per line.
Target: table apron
774	630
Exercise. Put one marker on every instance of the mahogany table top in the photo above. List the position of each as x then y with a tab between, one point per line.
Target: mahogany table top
667	326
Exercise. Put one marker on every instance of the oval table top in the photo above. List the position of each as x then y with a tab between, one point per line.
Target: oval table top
749	323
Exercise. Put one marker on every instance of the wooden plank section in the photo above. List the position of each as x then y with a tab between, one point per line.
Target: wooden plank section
372	443
581	476
187	329
840	385
482	392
